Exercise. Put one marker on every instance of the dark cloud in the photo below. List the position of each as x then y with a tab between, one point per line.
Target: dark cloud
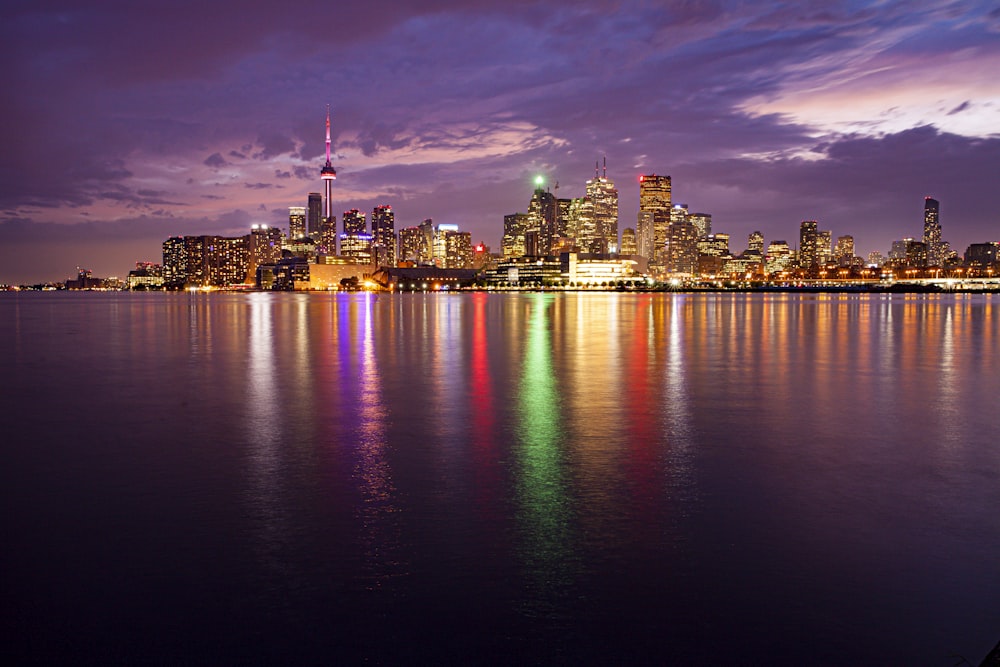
216	161
960	108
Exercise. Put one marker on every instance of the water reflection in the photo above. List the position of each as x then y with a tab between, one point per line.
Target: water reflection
544	509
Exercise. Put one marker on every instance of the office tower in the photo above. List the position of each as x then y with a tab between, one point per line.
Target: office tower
327	241
932	232
824	247
755	242
384	236
654	197
916	253
427	242
565	219
978	255
296	222
898	249
328	173
644	234
314	218
542	212
682	248
875	258
844	250
715	245
411	243
174	262
355	242
629	242
808	240
603	197
779	257
702	222
515	226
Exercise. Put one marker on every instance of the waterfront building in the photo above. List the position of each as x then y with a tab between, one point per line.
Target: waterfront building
655	198
808	242
384	235
174	262
714	245
355	242
981	255
682	248
778	258
263	247
314	215
458	250
824	247
296	222
515	226
542	213
603	197
755	242
629	244
411	241
916	253
932	233
844	251
875	258
703	223
644	234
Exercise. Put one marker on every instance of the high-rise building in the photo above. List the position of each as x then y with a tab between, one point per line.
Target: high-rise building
778	258
714	245
932	232
263	247
654	197
427	247
314	218
174	262
355	242
682	248
916	253
808	241
411	243
702	222
755	241
644	234
514	227
542	213
458	250
604	198
824	247
296	222
384	236
629	242
844	250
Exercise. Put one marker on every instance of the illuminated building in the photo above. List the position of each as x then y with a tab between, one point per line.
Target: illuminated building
384	236
644	234
844	250
314	218
756	242
629	245
824	247
458	250
355	242
145	275
932	232
916	253
655	198
411	242
427	246
714	245
982	255
779	257
174	262
565	220
514	227
588	269
296	222
542	213
264	247
329	175
875	258
603	197
808	256
703	223
682	248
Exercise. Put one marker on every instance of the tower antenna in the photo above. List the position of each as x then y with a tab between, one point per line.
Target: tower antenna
605	166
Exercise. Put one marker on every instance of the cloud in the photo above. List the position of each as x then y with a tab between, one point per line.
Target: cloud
216	161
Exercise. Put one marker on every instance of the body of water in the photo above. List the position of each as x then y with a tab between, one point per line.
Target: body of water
598	478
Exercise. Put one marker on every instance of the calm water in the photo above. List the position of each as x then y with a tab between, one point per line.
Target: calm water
525	478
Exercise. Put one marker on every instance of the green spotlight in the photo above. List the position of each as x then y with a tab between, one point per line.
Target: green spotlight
539	181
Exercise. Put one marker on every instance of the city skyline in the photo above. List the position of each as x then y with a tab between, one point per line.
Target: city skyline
764	117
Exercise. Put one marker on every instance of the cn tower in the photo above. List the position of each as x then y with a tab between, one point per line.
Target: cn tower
329	175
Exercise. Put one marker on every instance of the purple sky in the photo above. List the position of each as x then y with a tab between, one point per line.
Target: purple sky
125	123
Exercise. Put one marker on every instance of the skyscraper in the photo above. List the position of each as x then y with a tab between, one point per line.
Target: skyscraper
807	244
514	227
315	215
542	213
384	236
296	222
932	232
355	242
654	197
604	197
